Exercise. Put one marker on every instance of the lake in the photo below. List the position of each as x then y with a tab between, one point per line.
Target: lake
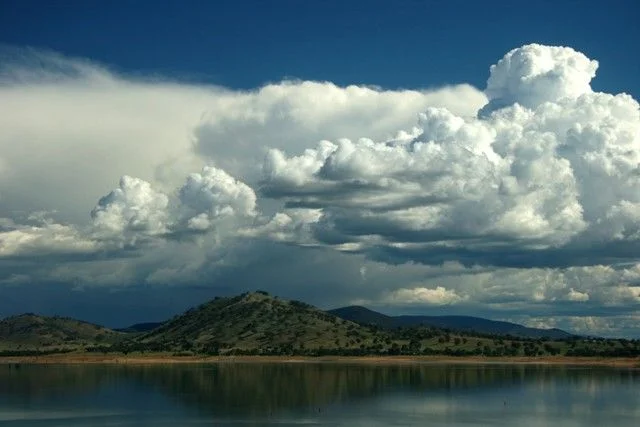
323	394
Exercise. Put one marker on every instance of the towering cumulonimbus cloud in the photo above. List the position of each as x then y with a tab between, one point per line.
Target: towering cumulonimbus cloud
546	175
60	116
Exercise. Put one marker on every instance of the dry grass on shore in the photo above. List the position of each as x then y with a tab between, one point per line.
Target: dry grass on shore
84	358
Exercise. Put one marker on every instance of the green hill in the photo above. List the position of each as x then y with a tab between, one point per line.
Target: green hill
260	323
257	323
30	331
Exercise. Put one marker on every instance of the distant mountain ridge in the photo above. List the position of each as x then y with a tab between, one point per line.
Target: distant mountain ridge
469	324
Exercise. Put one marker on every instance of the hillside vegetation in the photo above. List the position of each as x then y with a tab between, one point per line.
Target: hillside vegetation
257	323
29	331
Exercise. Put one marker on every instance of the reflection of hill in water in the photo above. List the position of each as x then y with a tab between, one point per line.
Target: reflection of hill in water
26	382
254	388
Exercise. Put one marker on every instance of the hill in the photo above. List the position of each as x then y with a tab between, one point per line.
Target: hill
30	331
259	323
468	324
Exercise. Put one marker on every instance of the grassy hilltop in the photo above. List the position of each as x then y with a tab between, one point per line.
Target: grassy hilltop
258	322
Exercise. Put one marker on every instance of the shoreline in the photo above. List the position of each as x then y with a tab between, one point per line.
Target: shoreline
155	359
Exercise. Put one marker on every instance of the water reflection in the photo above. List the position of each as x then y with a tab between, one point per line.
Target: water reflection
400	394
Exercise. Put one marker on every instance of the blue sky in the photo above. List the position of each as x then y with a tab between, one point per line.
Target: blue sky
404	44
435	157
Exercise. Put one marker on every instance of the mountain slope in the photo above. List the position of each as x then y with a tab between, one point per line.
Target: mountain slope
481	325
31	331
257	321
470	324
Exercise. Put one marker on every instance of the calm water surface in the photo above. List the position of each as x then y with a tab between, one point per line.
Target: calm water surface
318	394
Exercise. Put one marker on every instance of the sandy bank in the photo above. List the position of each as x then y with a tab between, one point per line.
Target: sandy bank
83	358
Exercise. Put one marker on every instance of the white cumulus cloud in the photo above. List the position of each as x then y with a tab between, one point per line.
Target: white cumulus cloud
534	74
212	195
134	206
548	177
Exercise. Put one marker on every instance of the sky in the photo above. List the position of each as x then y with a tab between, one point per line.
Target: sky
416	157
